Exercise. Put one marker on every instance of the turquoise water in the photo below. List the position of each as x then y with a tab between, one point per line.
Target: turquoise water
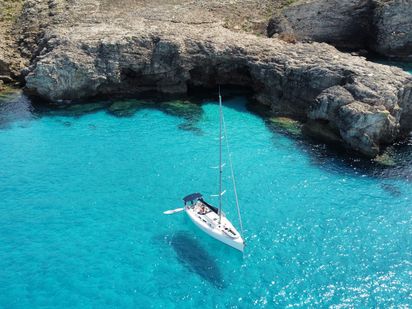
81	223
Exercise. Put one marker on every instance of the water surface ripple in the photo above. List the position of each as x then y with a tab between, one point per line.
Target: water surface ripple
81	221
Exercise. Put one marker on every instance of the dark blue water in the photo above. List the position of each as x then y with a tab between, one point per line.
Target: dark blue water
406	66
82	196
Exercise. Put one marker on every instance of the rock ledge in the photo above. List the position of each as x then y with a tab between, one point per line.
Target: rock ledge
368	104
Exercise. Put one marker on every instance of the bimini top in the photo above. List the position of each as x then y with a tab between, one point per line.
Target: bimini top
192	197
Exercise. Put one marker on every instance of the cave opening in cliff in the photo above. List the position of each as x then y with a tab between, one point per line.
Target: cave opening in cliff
233	80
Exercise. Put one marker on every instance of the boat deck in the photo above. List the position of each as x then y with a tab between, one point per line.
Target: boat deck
211	218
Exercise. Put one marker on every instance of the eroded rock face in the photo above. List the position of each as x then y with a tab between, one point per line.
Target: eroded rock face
344	24
392	21
382	26
359	124
366	102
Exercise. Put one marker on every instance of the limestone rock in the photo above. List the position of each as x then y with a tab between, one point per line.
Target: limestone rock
368	103
341	23
360	125
382	26
328	102
392	22
364	126
278	24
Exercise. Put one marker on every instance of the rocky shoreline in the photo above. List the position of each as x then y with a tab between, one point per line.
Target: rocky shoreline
80	50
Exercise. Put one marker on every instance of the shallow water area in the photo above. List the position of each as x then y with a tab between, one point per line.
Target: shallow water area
83	195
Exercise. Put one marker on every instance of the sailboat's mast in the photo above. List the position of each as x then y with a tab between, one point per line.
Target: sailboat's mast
220	157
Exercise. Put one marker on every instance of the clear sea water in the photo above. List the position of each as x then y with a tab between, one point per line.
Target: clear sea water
82	197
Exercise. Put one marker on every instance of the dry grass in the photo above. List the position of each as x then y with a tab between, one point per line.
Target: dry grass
10	10
288	2
239	15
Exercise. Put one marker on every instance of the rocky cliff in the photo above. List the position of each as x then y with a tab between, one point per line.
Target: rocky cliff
344	24
381	26
98	48
392	28
11	63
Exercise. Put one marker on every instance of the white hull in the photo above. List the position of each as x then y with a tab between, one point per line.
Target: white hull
209	223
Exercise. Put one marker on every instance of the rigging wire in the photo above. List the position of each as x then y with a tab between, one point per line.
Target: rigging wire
231	171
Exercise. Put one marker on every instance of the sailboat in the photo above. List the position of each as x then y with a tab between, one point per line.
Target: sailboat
210	219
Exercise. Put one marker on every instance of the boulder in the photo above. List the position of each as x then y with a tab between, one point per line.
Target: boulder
382	26
392	25
343	24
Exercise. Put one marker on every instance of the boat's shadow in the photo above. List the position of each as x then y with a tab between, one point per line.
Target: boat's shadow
196	259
